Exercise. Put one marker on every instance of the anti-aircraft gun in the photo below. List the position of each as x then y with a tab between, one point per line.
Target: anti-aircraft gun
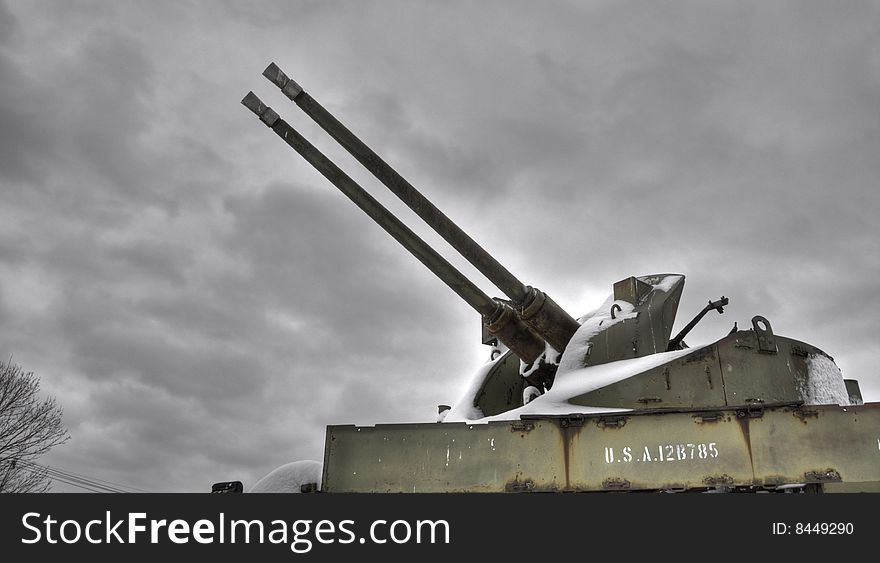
608	402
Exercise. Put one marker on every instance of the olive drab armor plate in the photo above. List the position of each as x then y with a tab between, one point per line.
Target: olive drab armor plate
761	448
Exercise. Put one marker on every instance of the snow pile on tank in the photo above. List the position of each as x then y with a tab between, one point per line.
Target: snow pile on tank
572	379
577	382
290	477
824	383
568	384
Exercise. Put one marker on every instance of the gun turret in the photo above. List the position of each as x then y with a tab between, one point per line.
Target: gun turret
533	306
501	320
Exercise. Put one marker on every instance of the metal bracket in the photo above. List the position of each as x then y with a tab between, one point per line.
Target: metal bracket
646	400
575	420
611	422
708	417
754	409
766	340
521	426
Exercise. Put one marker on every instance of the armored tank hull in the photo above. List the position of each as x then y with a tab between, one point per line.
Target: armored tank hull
773	447
744	413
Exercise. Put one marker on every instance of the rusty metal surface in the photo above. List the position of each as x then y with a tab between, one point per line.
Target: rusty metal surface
762	447
457	457
663	451
818	444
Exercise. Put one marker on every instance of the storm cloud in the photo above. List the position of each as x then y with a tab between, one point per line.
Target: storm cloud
203	303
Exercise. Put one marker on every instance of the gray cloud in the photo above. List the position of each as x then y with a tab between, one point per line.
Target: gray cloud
203	303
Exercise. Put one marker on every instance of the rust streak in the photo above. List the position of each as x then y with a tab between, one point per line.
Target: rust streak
744	427
566	453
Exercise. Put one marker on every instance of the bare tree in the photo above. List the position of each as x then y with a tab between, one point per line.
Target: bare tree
29	427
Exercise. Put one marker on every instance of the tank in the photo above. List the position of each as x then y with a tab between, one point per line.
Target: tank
612	401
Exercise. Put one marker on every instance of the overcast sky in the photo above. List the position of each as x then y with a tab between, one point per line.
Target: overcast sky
202	303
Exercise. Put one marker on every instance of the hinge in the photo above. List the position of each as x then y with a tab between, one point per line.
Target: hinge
611	421
571	420
754	409
708	417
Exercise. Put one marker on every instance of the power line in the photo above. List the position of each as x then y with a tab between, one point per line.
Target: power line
62	477
90	481
59	479
124	488
92	484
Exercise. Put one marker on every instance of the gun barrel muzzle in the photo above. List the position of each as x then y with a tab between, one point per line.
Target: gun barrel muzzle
523	342
552	322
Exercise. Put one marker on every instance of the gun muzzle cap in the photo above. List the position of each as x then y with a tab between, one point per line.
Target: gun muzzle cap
266	114
277	77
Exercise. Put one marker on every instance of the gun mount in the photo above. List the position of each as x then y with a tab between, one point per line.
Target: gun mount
594	404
